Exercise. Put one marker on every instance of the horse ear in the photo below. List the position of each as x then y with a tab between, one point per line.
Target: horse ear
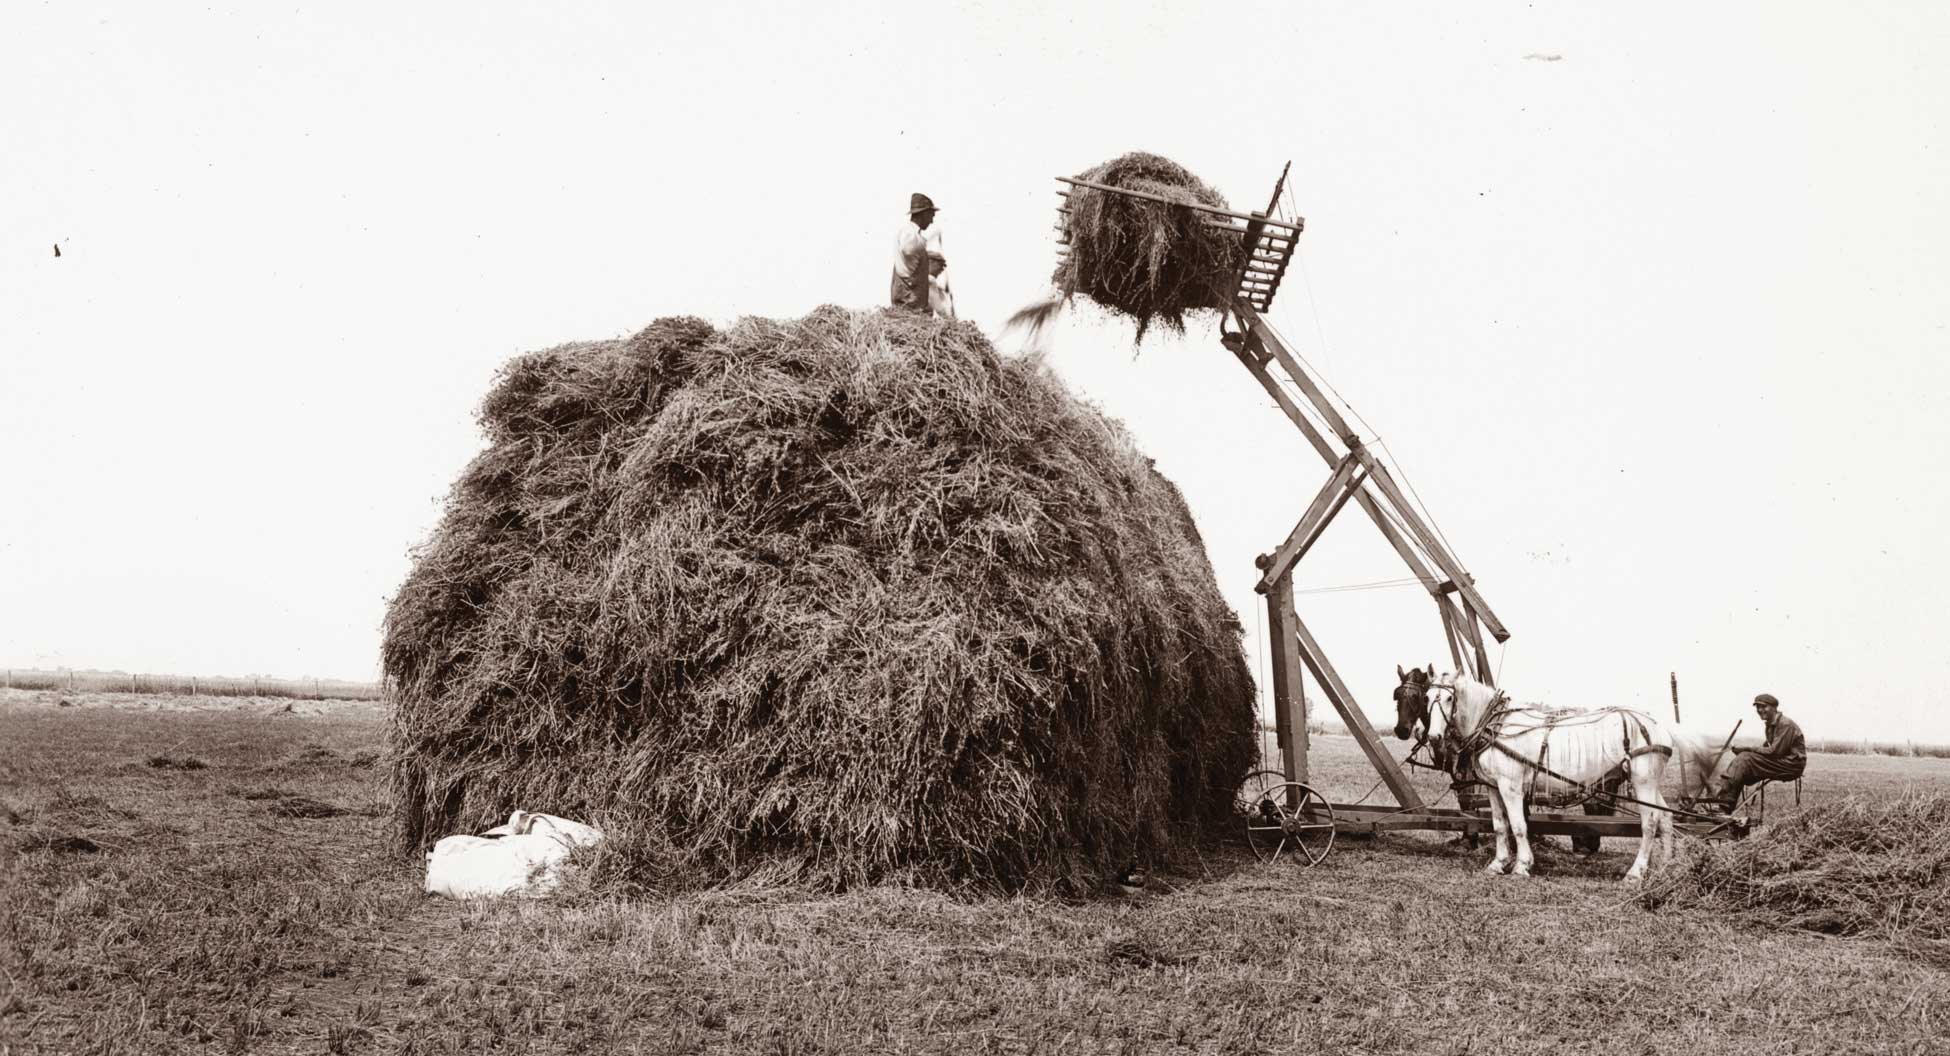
1398	673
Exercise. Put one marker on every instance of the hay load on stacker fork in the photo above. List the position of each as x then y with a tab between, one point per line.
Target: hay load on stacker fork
1283	812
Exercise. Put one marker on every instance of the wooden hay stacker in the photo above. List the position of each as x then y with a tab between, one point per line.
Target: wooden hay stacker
1283	811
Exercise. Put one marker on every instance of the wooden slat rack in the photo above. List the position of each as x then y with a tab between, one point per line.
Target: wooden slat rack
1269	237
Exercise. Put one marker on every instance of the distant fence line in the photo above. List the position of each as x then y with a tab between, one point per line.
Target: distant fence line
190	685
1831	746
1836	746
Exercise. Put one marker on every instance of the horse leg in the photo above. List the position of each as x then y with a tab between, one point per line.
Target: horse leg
1648	825
1665	833
1497	817
1652	817
1510	790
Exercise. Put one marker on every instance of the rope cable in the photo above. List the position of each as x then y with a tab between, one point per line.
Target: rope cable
1407	581
1299	397
1420	506
1321	336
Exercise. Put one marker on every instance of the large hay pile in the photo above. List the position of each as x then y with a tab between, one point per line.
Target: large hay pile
834	598
1863	864
1146	259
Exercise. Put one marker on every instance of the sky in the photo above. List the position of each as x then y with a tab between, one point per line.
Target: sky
1647	302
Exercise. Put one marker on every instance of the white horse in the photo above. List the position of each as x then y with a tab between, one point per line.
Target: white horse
1519	749
1703	758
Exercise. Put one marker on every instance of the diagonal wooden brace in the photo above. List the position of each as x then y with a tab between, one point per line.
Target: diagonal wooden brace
1347	479
1356	719
1257	348
1438	553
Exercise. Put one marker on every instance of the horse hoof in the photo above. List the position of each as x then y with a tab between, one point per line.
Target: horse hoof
1493	869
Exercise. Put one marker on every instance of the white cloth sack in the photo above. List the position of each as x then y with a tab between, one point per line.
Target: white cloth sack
523	857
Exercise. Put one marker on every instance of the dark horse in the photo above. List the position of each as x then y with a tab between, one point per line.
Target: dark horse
1412	701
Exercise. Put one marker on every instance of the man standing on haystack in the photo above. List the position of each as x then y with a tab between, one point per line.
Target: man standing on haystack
920	268
1783	758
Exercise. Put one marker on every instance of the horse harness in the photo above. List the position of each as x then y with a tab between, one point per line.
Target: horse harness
1488	735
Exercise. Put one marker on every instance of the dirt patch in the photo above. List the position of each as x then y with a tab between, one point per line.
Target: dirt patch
174	762
56	842
285	804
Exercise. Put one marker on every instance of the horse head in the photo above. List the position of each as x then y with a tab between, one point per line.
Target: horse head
1458	706
1440	700
1412	700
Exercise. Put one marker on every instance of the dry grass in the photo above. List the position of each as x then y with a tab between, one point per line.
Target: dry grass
1144	259
1857	864
77	682
201	924
846	597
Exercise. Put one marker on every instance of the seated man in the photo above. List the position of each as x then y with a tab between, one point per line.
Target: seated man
1783	758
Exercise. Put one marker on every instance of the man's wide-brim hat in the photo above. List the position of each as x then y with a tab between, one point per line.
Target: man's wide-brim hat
1767	699
919	203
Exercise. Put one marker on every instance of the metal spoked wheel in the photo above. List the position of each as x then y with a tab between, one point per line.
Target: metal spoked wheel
1286	819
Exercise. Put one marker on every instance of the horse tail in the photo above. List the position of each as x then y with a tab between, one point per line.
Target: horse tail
1655	739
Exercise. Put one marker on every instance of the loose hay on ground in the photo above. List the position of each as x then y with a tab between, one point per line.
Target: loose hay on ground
1860	864
838	598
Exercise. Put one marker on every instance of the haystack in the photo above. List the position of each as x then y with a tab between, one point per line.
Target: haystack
839	599
1146	259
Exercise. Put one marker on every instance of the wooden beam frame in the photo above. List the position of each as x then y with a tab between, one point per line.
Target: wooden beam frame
1465	584
1368	819
1354	466
1320	444
1289	696
1337	694
1255	347
1347	480
1450	633
1264	343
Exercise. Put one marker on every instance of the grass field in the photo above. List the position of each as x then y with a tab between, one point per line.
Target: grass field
72	682
215	880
